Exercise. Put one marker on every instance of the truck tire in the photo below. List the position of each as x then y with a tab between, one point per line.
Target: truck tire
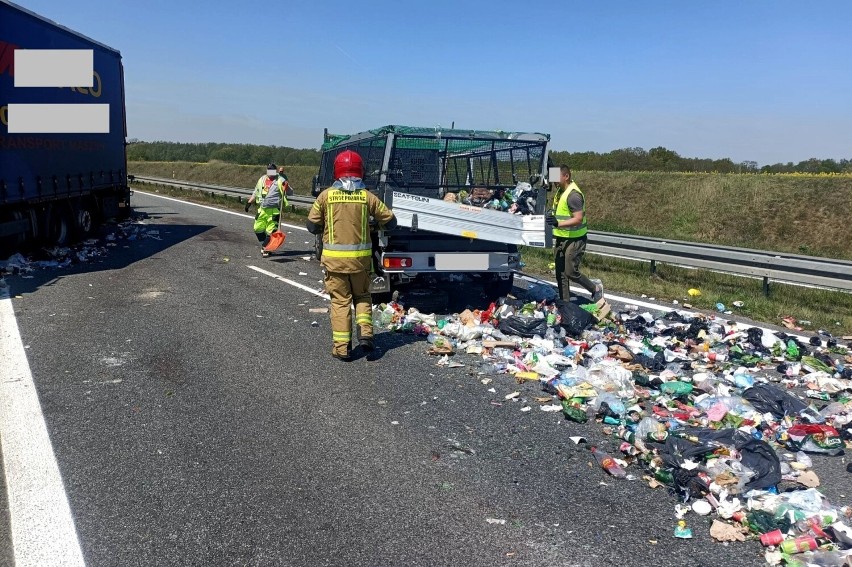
86	219
426	300
60	225
12	242
318	247
497	287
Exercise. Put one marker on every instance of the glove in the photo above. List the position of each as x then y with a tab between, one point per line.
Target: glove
247	206
550	219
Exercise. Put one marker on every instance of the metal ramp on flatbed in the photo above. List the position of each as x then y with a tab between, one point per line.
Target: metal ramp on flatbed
444	217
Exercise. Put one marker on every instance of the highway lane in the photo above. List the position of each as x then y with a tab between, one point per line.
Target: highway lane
198	419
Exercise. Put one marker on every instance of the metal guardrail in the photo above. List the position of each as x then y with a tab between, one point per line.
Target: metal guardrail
775	266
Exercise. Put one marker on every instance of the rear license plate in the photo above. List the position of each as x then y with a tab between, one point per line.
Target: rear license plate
461	262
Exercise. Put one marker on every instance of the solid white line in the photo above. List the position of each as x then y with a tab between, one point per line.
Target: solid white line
291	282
243	215
657	307
42	527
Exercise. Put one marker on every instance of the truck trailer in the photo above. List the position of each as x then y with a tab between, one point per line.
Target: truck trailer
57	185
465	201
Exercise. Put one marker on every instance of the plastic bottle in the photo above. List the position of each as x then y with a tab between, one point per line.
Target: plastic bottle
608	463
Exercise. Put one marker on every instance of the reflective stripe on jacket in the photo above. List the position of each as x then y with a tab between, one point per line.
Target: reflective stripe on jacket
345	217
563	212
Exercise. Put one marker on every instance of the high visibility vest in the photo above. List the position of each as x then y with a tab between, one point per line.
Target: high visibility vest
563	212
274	201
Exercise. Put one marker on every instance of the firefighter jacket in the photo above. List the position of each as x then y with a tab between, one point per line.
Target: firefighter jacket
563	212
344	210
271	199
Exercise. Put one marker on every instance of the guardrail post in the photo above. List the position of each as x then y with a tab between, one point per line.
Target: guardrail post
766	286
653	267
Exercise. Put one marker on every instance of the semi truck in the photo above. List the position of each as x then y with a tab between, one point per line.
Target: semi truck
56	184
465	201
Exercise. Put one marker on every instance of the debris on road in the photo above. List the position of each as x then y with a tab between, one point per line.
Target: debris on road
724	415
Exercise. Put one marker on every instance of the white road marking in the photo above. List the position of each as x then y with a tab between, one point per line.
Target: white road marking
243	215
288	281
42	527
657	307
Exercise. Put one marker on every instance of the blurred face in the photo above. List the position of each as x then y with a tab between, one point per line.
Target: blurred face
271	172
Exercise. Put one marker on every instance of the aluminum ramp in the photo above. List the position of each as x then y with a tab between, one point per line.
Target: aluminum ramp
443	217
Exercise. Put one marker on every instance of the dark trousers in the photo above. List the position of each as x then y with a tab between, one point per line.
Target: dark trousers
569	254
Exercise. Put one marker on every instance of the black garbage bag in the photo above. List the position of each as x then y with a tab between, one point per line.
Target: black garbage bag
637	326
523	326
757	455
695	328
574	319
657	363
770	398
675	450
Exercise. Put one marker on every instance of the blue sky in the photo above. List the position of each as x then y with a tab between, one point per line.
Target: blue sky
767	81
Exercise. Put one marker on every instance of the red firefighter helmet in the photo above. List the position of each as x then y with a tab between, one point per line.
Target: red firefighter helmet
348	164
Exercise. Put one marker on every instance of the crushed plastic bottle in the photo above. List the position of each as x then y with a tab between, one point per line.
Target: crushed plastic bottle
608	464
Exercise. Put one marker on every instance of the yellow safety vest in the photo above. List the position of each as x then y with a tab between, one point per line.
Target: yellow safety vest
563	212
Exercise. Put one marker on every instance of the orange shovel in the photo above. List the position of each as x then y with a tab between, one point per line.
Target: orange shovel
276	239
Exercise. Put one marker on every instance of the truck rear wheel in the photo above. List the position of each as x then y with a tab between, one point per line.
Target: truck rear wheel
498	287
85	219
60	225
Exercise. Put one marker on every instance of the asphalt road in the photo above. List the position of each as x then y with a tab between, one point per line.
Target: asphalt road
198	418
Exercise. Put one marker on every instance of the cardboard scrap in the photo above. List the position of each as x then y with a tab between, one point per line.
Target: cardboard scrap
720	531
809	479
498	344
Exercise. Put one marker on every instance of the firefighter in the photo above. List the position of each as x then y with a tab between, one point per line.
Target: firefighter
342	214
269	204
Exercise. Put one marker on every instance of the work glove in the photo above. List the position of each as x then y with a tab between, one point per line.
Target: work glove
550	219
247	206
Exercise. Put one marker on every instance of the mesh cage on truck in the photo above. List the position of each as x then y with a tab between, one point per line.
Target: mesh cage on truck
432	162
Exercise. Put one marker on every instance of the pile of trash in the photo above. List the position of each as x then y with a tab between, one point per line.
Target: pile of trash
699	404
518	200
80	253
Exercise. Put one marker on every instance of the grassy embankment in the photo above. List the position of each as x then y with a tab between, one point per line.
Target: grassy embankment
801	214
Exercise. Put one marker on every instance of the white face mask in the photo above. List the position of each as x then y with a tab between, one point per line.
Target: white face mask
271	172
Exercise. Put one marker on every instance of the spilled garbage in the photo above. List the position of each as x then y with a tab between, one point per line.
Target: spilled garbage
80	253
723	415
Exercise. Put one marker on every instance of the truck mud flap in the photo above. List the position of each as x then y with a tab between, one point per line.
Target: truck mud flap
380	284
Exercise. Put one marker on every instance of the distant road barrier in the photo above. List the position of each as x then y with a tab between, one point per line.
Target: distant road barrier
770	266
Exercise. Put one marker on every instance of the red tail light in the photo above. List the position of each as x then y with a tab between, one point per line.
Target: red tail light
396	263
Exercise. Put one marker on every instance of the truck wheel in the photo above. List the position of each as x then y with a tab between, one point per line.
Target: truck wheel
318	246
12	242
497	287
85	219
59	225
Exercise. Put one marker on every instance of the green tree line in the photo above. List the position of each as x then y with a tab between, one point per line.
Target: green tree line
241	154
625	159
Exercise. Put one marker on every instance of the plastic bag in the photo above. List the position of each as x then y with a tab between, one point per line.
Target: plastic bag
610	376
523	326
772	399
815	439
541	292
574	319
